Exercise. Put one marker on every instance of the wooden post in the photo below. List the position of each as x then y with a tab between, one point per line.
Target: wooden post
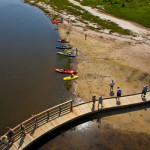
48	116
71	107
59	110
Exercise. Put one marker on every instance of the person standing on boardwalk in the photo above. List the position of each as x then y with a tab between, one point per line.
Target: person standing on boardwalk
10	134
22	127
144	91
4	140
35	120
94	99
112	85
118	93
100	101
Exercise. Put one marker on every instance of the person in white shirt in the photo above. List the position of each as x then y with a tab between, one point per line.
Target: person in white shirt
112	85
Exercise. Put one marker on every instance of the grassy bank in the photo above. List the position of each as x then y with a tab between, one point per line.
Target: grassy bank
134	10
84	16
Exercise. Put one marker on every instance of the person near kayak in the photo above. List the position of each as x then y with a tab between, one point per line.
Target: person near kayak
144	91
76	51
100	101
72	75
85	36
112	85
10	134
118	93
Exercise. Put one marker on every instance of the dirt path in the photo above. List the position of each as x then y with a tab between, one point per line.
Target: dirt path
122	23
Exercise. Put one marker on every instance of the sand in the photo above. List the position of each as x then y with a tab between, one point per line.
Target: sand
102	58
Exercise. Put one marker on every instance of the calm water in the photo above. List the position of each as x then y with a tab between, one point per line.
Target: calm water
98	135
28	58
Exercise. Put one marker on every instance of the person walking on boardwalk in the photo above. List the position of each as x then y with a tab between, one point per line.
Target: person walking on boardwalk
118	93
93	100
22	127
4	140
112	85
100	101
10	134
35	120
144	91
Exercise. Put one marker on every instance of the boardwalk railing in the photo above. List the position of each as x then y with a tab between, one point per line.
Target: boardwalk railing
62	113
42	118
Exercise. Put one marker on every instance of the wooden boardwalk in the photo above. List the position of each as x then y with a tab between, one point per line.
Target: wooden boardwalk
62	114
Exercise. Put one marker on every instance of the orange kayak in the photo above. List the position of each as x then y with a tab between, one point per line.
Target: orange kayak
57	21
66	71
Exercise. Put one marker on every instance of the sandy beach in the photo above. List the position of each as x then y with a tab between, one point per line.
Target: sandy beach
104	57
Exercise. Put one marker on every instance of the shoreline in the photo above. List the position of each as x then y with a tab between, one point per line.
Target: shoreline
103	57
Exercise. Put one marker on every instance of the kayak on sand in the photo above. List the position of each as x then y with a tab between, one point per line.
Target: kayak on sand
66	71
64	47
56	21
63	41
70	78
68	54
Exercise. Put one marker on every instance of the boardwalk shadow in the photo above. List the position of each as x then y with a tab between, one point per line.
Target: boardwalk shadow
8	147
21	142
93	108
143	99
118	102
111	93
32	131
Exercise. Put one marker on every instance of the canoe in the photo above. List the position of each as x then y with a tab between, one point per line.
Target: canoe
64	47
66	71
62	41
68	54
70	78
56	21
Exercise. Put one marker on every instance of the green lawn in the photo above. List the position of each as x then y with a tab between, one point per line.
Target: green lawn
134	10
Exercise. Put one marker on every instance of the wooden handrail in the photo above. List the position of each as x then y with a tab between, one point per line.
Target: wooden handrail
50	114
47	115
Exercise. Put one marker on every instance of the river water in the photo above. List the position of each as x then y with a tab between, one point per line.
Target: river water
28	82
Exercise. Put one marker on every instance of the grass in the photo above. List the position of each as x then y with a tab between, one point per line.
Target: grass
84	15
67	63
134	10
68	85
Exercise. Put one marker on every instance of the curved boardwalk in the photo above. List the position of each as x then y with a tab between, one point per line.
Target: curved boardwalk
64	113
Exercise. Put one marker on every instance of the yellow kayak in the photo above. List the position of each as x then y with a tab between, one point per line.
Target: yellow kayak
70	78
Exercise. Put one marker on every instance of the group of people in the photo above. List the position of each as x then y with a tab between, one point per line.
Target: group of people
119	92
9	137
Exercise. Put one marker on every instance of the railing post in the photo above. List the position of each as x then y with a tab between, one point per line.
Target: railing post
71	107
59	110
48	116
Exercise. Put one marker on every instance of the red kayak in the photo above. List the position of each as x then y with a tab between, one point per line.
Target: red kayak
62	41
57	21
66	71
